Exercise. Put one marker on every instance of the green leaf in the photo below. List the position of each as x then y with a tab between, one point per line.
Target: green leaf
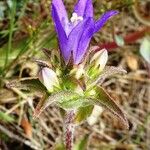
81	144
6	118
27	84
107	72
82	113
64	99
145	49
119	40
102	98
74	103
69	100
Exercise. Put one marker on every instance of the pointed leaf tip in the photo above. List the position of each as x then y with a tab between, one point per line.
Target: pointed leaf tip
103	99
109	71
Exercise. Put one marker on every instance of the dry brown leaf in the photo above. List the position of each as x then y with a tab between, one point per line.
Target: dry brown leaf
132	62
27	127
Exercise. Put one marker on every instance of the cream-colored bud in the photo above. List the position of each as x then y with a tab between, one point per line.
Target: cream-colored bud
80	71
100	59
49	78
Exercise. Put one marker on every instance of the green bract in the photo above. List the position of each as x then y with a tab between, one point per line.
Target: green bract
80	91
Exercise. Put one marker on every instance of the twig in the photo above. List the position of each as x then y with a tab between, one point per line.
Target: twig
107	137
26	99
16	137
22	95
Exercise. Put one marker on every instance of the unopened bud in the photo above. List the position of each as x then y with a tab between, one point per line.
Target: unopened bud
78	71
49	78
100	59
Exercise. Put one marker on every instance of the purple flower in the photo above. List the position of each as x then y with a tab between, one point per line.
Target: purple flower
74	35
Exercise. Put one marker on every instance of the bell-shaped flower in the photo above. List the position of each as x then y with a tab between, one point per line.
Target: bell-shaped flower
74	35
48	78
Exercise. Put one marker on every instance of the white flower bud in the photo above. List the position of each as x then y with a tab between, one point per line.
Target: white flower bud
49	78
78	71
100	58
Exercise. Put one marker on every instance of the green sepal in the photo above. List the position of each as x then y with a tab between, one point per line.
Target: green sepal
73	103
28	84
65	99
69	82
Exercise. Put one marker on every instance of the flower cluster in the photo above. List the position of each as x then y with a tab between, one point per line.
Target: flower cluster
75	34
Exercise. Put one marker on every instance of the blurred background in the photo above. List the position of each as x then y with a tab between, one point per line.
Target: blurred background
26	27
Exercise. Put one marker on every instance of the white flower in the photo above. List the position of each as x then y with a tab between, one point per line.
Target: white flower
75	18
100	58
49	78
78	71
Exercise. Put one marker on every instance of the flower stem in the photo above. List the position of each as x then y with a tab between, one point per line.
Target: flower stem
69	129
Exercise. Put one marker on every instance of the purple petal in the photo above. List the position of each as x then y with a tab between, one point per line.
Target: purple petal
84	8
75	35
61	34
99	23
84	41
61	11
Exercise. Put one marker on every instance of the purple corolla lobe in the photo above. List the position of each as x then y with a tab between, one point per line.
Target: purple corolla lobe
74	35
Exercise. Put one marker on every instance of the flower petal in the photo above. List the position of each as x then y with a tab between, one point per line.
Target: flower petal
49	78
84	8
75	36
61	11
100	59
61	34
84	41
99	23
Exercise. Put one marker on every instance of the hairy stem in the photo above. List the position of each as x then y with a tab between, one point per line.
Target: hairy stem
69	129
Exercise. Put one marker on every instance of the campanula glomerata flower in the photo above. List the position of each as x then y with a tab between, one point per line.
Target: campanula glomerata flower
74	35
49	78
